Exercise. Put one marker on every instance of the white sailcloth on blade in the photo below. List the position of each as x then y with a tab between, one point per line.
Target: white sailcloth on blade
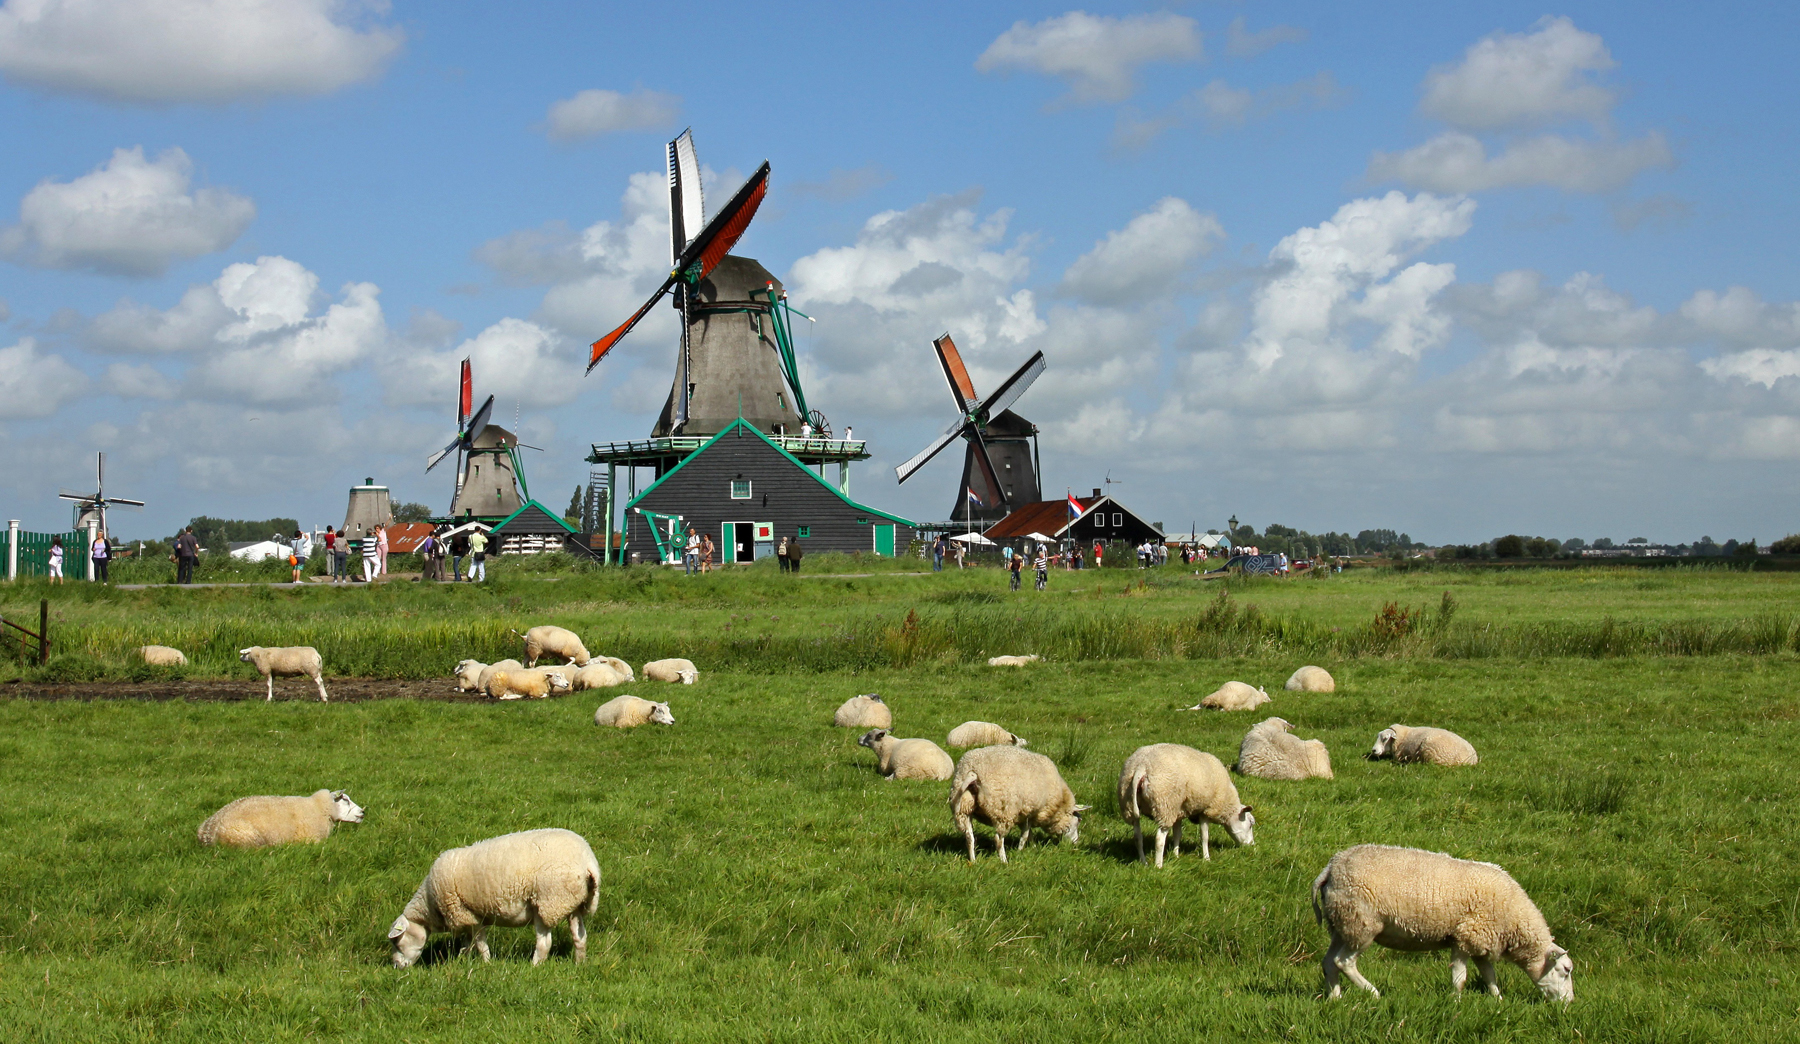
687	203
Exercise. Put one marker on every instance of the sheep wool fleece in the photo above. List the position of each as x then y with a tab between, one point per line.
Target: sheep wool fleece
534	877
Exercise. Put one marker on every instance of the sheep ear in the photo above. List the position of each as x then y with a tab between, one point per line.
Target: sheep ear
399	927
1082	808
337	795
1242	812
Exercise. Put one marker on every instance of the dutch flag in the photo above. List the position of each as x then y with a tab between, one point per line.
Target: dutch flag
1075	508
973	499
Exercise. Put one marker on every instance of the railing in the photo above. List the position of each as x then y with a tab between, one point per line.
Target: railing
684	444
26	637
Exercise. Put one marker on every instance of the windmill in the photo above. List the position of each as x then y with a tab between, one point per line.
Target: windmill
489	478
93	505
1000	468
736	357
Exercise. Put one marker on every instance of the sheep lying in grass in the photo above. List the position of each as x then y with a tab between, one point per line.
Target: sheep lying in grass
287	661
1171	783
488	672
628	712
597	675
677	670
616	664
161	656
553	641
256	822
864	712
1311	679
1408	899
535	877
1433	746
1269	751
524	682
468	675
983	734
1232	696
1012	661
1006	787
907	758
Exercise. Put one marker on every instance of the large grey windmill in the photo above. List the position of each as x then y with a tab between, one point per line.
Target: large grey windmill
489	477
1000	466
93	505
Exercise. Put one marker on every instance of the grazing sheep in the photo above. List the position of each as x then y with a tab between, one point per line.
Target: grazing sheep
488	672
1011	661
682	671
1409	899
907	758
597	675
1311	679
512	685
983	734
468	675
256	822
535	877
1171	783
628	712
864	712
553	641
287	660
1435	746
1233	696
1006	787
161	656
1270	752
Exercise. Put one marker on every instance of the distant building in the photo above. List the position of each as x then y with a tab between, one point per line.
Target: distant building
1102	518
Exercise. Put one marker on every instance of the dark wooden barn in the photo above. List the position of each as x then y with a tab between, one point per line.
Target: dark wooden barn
749	493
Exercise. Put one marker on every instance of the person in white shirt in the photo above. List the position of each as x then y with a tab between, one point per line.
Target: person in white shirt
478	542
56	560
690	558
1042	565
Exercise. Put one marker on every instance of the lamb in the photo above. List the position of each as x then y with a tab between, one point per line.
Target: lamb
907	758
1437	746
1011	661
1409	899
864	712
1171	783
682	671
983	734
597	675
1270	752
488	672
1232	696
160	656
1311	679
553	641
535	877
288	660
468	675
257	822
628	712
511	685
1006	787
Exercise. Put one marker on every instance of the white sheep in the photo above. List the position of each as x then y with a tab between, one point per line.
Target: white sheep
907	758
983	734
597	675
535	877
285	661
161	656
488	672
1269	751
1409	899
256	822
548	640
1311	679
1413	743
864	712
676	670
1006	787
468	675
628	712
1232	696
616	664
1172	783
1012	661
512	685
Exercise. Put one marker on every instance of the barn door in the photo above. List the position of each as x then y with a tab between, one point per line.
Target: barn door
884	541
739	545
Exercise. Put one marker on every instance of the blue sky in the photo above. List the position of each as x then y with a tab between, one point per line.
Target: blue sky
1461	270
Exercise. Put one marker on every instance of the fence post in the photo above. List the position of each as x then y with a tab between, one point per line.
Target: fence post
92	527
43	632
12	549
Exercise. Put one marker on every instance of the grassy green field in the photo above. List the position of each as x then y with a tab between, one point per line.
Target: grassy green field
762	883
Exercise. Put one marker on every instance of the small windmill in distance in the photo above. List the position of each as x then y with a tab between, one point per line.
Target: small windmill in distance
993	433
479	442
93	505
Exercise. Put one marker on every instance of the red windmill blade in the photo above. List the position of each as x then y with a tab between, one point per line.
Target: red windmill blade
701	256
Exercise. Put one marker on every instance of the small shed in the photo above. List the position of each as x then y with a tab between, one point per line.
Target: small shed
531	530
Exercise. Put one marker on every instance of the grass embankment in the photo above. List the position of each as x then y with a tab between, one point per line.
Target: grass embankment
762	884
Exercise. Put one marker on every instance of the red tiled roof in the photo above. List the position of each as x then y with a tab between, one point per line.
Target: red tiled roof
404	537
1046	516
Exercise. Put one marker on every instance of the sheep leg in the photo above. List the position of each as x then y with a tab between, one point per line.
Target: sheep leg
478	938
1024	836
1205	839
319	680
1459	970
1000	843
578	931
1486	967
1137	827
1162	838
270	678
544	938
968	830
1333	988
1177	838
1347	962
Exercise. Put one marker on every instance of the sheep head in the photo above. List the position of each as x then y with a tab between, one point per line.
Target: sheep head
873	736
1242	826
1555	975
1385	743
345	810
660	715
688	677
408	937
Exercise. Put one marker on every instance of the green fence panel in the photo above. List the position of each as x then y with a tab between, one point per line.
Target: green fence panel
34	553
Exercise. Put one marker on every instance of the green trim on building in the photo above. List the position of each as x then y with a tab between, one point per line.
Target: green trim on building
534	504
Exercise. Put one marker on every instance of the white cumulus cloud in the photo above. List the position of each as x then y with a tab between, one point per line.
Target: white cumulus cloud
1455	162
1509	79
129	216
167	51
35	384
592	113
1096	55
514	360
1145	258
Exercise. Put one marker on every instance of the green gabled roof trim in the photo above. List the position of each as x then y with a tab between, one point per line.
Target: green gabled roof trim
540	507
751	428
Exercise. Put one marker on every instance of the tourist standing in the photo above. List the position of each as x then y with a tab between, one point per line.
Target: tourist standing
794	555
371	563
428	557
381	550
706	552
101	553
1099	549
56	560
961	550
459	546
781	554
1077	556
297	550
690	556
937	553
331	568
478	544
187	554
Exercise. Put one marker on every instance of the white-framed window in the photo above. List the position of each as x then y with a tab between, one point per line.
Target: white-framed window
1118	519
740	489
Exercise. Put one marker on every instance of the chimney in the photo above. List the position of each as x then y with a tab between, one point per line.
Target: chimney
1096	491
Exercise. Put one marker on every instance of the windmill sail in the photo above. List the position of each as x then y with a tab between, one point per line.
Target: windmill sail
687	205
465	398
1000	459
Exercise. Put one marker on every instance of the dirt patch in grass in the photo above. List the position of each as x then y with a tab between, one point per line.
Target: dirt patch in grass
342	690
